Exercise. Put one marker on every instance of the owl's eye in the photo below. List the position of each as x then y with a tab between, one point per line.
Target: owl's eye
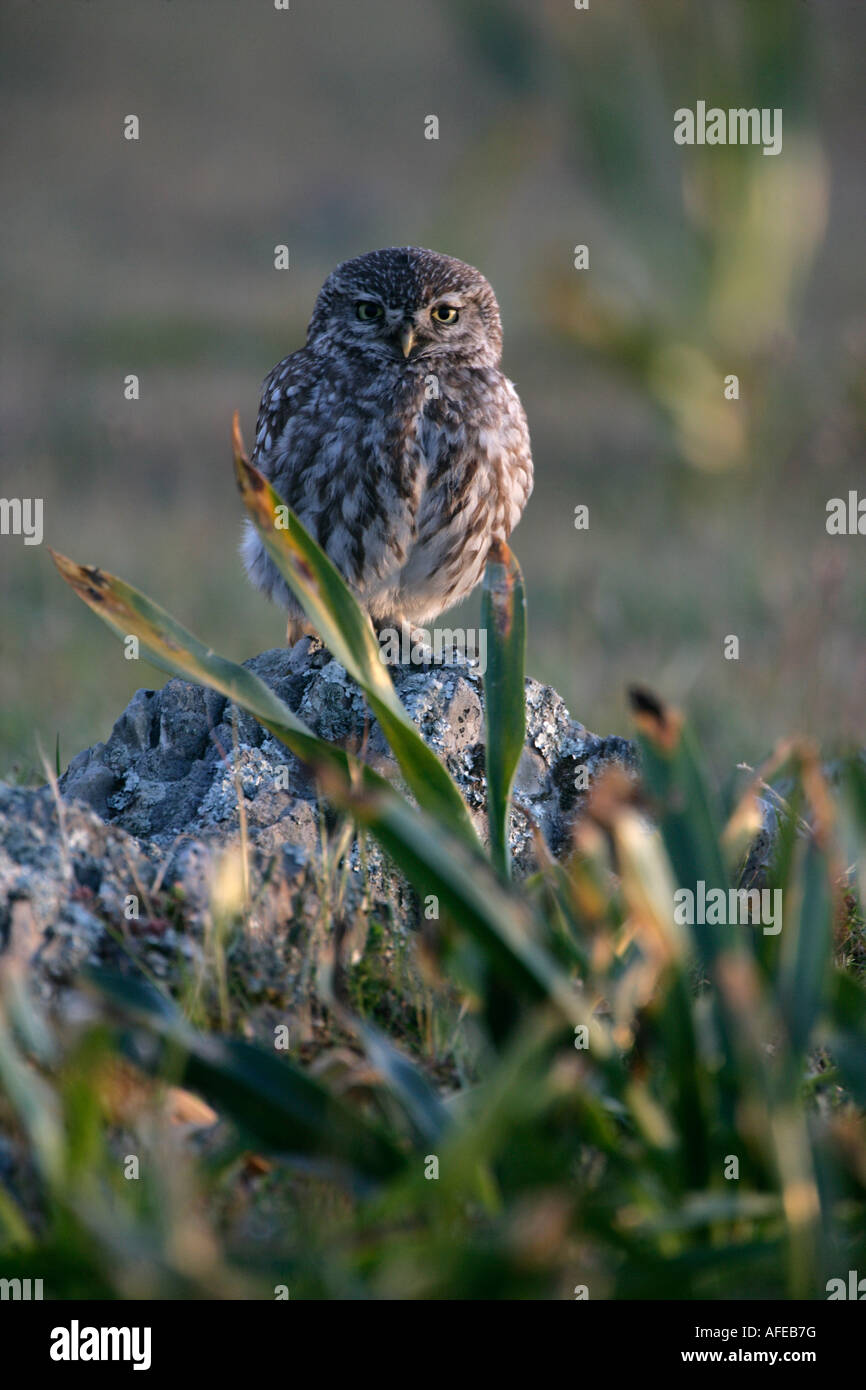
446	313
367	310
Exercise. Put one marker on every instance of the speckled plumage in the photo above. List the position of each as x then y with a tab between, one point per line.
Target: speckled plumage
403	457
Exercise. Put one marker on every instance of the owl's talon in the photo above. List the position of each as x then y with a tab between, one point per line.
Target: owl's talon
296	628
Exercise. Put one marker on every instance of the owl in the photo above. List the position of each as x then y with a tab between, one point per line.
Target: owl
394	437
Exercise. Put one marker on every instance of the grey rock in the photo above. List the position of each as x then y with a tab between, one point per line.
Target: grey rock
180	757
150	815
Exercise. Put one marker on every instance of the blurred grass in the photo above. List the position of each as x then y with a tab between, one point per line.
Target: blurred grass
625	1059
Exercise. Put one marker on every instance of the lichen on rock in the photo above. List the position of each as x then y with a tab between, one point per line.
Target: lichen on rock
152	813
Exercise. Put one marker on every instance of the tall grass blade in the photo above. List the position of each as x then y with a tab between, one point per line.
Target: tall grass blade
271	1100
807	936
503	616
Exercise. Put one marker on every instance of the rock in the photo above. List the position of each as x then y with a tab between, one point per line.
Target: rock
142	850
170	768
63	876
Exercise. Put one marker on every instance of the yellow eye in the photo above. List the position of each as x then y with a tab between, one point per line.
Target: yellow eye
446	313
367	310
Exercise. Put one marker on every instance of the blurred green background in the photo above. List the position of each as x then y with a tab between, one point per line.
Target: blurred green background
306	127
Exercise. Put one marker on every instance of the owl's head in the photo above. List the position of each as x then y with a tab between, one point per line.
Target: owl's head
407	305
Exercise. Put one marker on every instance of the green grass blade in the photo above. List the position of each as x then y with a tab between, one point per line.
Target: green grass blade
438	863
426	1112
170	646
683	806
275	1103
503	615
36	1105
807	937
846	1031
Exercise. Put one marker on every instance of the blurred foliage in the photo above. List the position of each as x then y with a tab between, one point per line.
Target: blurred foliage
624	1060
698	256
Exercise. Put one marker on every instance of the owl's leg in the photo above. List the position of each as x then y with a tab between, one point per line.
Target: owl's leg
386	633
296	628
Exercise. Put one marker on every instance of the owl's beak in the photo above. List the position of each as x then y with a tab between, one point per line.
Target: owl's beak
407	339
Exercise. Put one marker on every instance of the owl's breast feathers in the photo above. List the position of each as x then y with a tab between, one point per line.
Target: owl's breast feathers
403	476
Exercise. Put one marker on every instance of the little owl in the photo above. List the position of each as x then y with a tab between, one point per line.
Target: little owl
395	437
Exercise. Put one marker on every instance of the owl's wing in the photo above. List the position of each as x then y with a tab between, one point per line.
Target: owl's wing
283	391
